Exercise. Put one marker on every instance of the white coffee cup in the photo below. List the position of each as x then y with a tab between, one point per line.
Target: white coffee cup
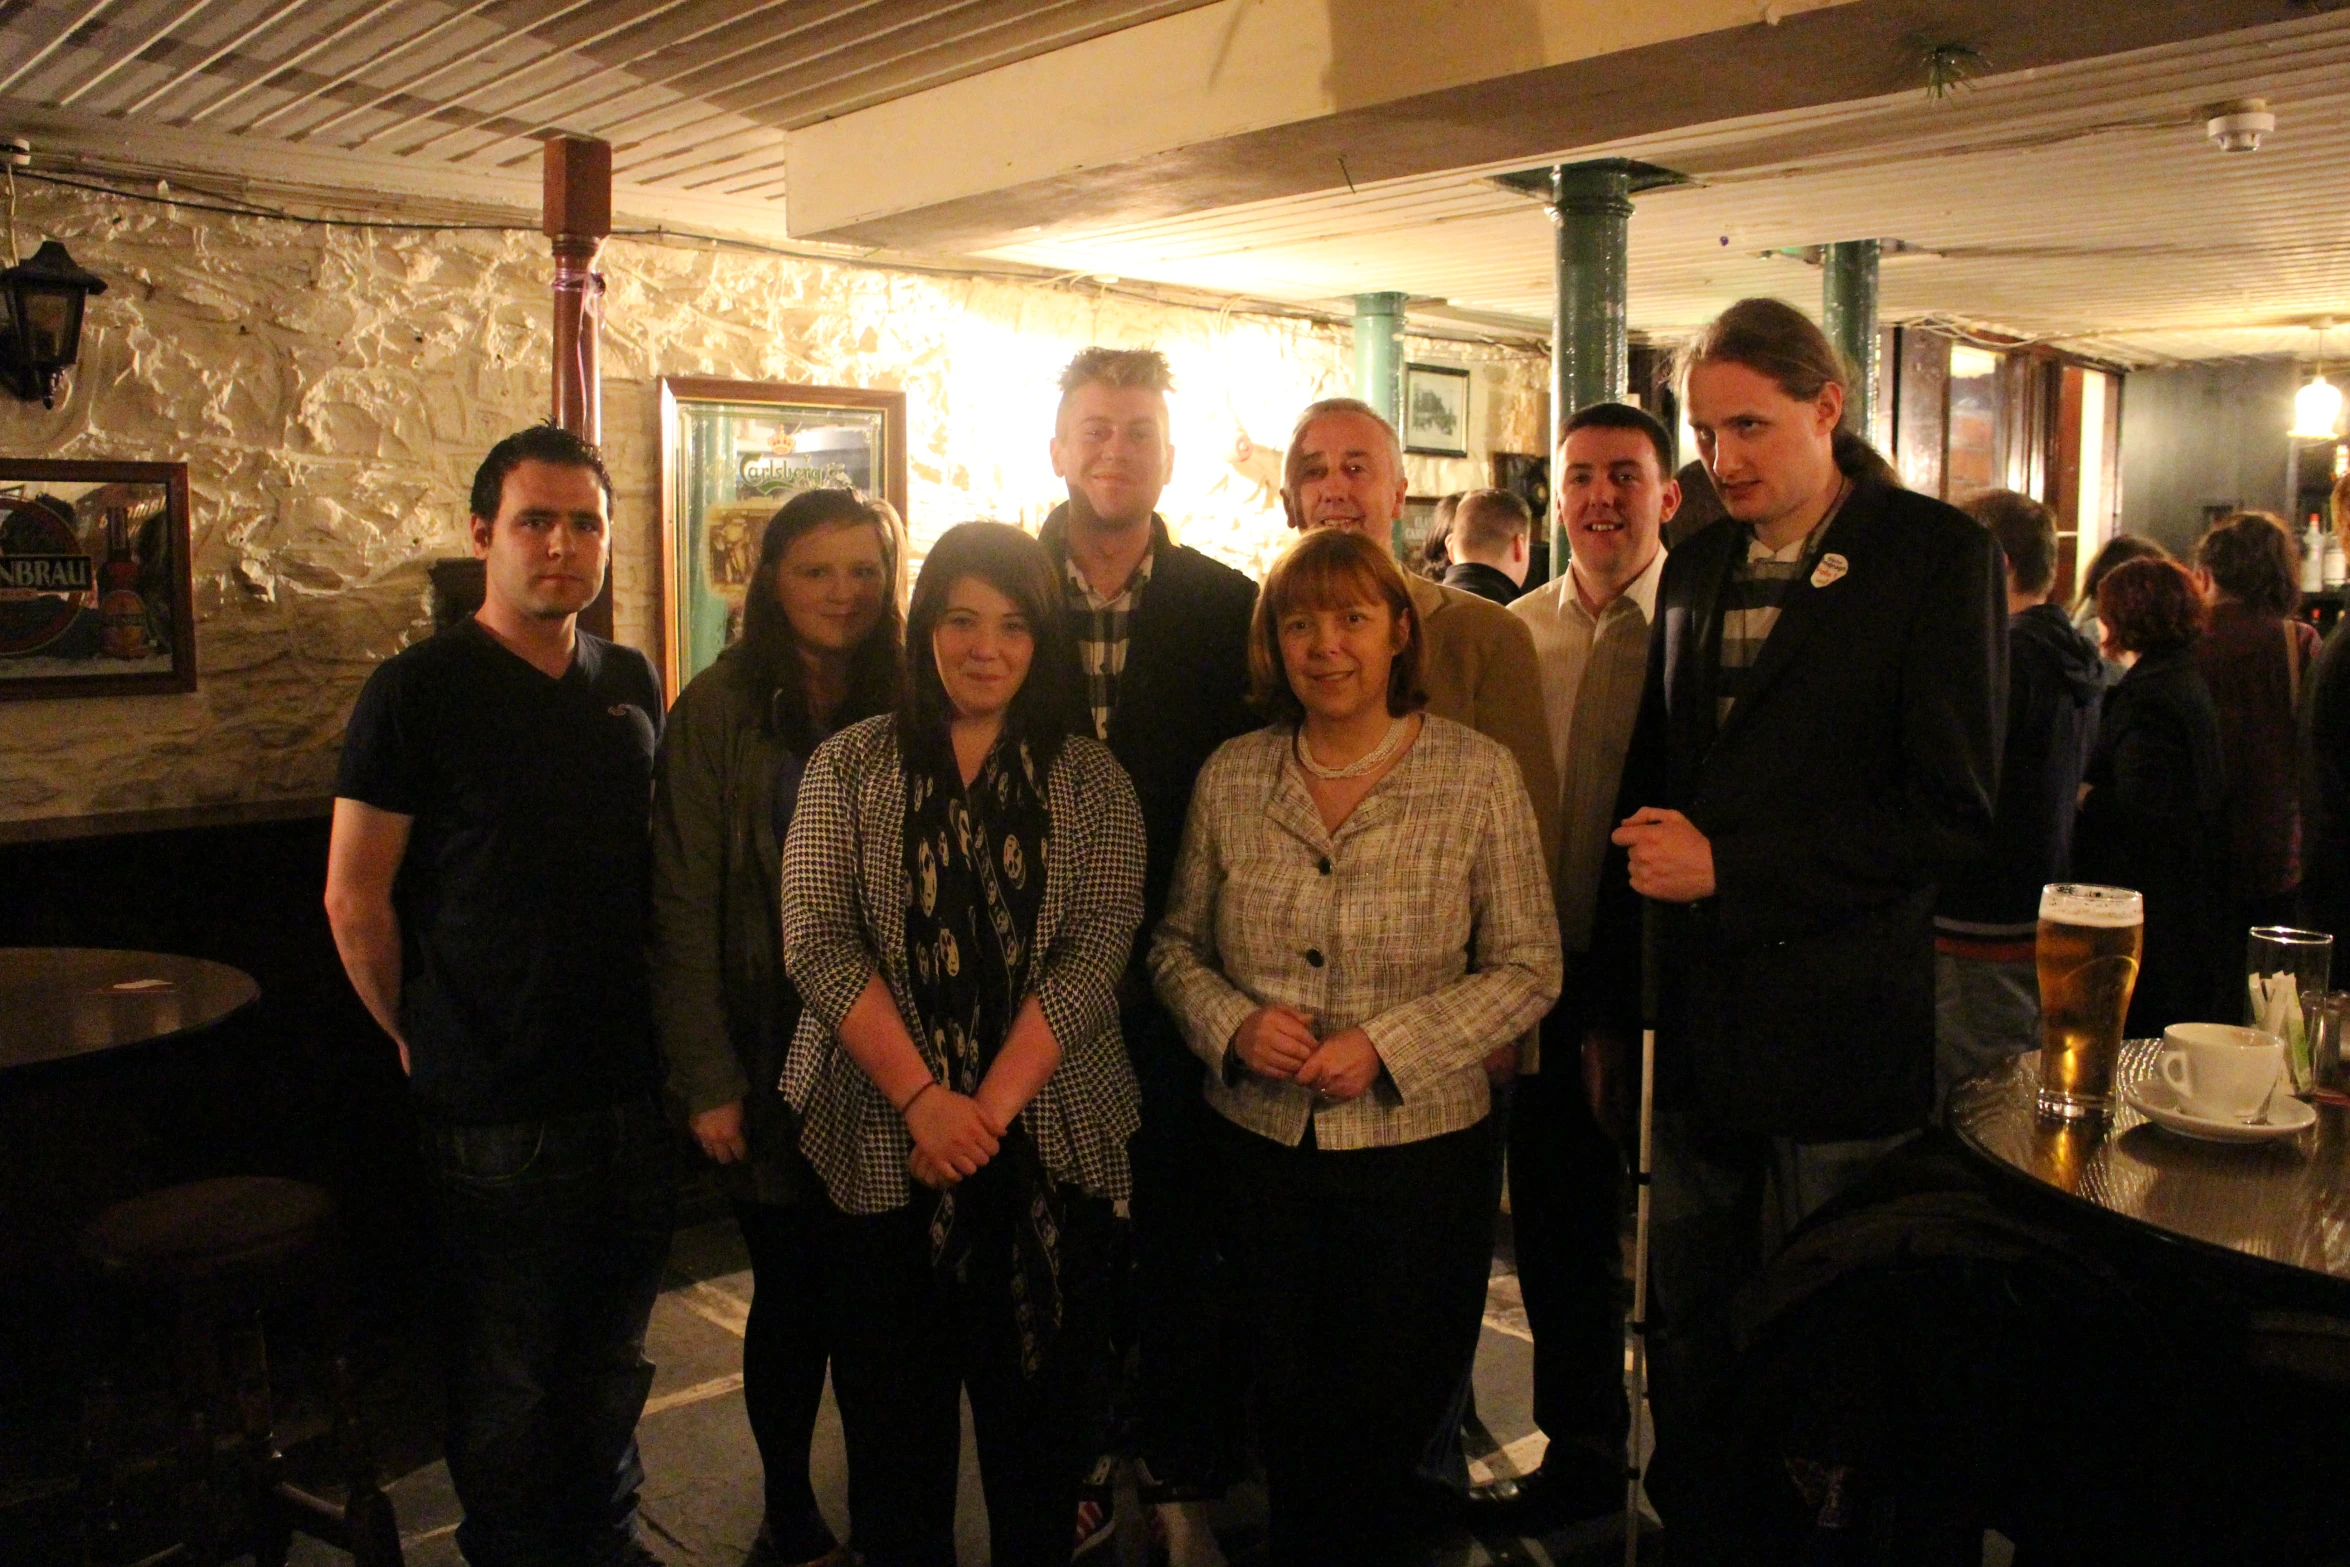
2221	1072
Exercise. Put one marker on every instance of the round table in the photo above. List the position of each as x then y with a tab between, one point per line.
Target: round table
61	1004
2283	1204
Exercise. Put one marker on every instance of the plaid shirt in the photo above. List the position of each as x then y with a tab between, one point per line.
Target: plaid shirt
1750	603
844	918
1099	625
1425	919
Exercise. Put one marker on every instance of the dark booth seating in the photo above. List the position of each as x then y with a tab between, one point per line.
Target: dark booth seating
301	1084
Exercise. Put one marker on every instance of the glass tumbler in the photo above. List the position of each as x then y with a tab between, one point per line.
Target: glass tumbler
2285	976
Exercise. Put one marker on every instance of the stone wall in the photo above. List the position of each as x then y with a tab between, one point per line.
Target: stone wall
332	389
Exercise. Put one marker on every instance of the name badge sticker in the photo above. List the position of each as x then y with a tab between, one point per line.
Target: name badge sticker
1830	569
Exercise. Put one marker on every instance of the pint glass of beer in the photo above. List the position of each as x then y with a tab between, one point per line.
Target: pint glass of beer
2090	940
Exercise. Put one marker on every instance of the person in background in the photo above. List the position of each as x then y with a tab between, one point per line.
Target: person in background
2325	749
1158	643
1436	552
1361	909
1615	496
1490	545
960	884
1818	740
2121	548
2253	657
1701	506
487	884
2152	802
819	651
1986	922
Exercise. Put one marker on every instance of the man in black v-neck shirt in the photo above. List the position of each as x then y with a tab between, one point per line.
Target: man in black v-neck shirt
487	882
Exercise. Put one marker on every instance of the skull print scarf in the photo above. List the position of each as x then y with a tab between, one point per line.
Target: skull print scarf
975	872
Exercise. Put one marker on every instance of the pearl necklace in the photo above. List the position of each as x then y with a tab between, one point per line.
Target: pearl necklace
1366	763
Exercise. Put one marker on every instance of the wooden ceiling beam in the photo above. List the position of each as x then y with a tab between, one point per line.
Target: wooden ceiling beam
1253	100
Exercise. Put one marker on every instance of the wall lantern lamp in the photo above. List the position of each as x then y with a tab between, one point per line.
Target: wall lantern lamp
2317	407
40	304
41	321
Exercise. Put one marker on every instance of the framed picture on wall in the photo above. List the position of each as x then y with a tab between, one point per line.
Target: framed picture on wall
732	452
94	582
1436	410
1528	478
1414	526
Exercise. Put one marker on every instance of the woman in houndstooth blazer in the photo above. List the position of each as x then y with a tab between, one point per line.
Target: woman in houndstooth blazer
960	886
1361	912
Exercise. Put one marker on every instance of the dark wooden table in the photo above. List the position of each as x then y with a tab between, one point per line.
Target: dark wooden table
2283	1204
64	1004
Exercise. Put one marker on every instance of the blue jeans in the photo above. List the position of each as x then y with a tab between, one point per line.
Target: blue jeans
550	1238
1984	1013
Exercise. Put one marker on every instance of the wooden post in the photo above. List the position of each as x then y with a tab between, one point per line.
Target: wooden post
576	213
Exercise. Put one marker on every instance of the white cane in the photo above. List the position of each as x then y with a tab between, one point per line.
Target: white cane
1639	1374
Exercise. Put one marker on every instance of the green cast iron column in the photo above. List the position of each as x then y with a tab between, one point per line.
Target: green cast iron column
1590	208
1591	211
1848	312
1379	367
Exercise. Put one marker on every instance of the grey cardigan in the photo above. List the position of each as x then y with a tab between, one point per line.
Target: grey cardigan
844	917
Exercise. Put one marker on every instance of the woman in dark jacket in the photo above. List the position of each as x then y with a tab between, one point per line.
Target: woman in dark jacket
819	650
2151	813
2254	658
2117	551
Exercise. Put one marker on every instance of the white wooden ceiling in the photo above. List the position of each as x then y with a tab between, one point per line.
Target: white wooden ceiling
693	94
2079	203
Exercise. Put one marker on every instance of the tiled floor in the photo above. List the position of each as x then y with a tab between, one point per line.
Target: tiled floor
701	1499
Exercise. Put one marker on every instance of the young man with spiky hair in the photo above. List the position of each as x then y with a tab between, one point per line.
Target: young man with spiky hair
1160	633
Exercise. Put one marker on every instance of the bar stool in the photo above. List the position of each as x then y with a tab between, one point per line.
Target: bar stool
207	1258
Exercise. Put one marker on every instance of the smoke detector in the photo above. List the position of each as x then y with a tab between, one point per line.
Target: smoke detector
2238	126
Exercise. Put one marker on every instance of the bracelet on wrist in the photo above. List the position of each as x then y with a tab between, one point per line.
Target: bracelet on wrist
916	1094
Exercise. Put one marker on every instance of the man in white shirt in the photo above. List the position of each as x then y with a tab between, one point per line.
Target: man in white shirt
1613	479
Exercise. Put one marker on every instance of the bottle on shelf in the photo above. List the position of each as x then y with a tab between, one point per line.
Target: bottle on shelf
122	610
2313	557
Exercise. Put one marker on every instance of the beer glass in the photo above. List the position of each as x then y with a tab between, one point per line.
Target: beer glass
2088	950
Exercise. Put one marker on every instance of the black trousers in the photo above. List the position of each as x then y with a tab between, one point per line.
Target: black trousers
784	1354
1364	1277
1191	1359
1566	1214
904	1344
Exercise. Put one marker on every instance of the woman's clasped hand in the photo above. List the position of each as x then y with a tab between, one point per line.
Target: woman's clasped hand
952	1135
1278	1042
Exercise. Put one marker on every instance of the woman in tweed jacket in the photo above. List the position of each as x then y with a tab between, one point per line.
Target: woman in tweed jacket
1360	913
960	886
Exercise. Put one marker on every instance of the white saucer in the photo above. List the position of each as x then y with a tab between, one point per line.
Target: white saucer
2287	1116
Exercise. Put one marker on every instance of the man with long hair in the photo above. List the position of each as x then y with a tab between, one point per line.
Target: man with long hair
1819	736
